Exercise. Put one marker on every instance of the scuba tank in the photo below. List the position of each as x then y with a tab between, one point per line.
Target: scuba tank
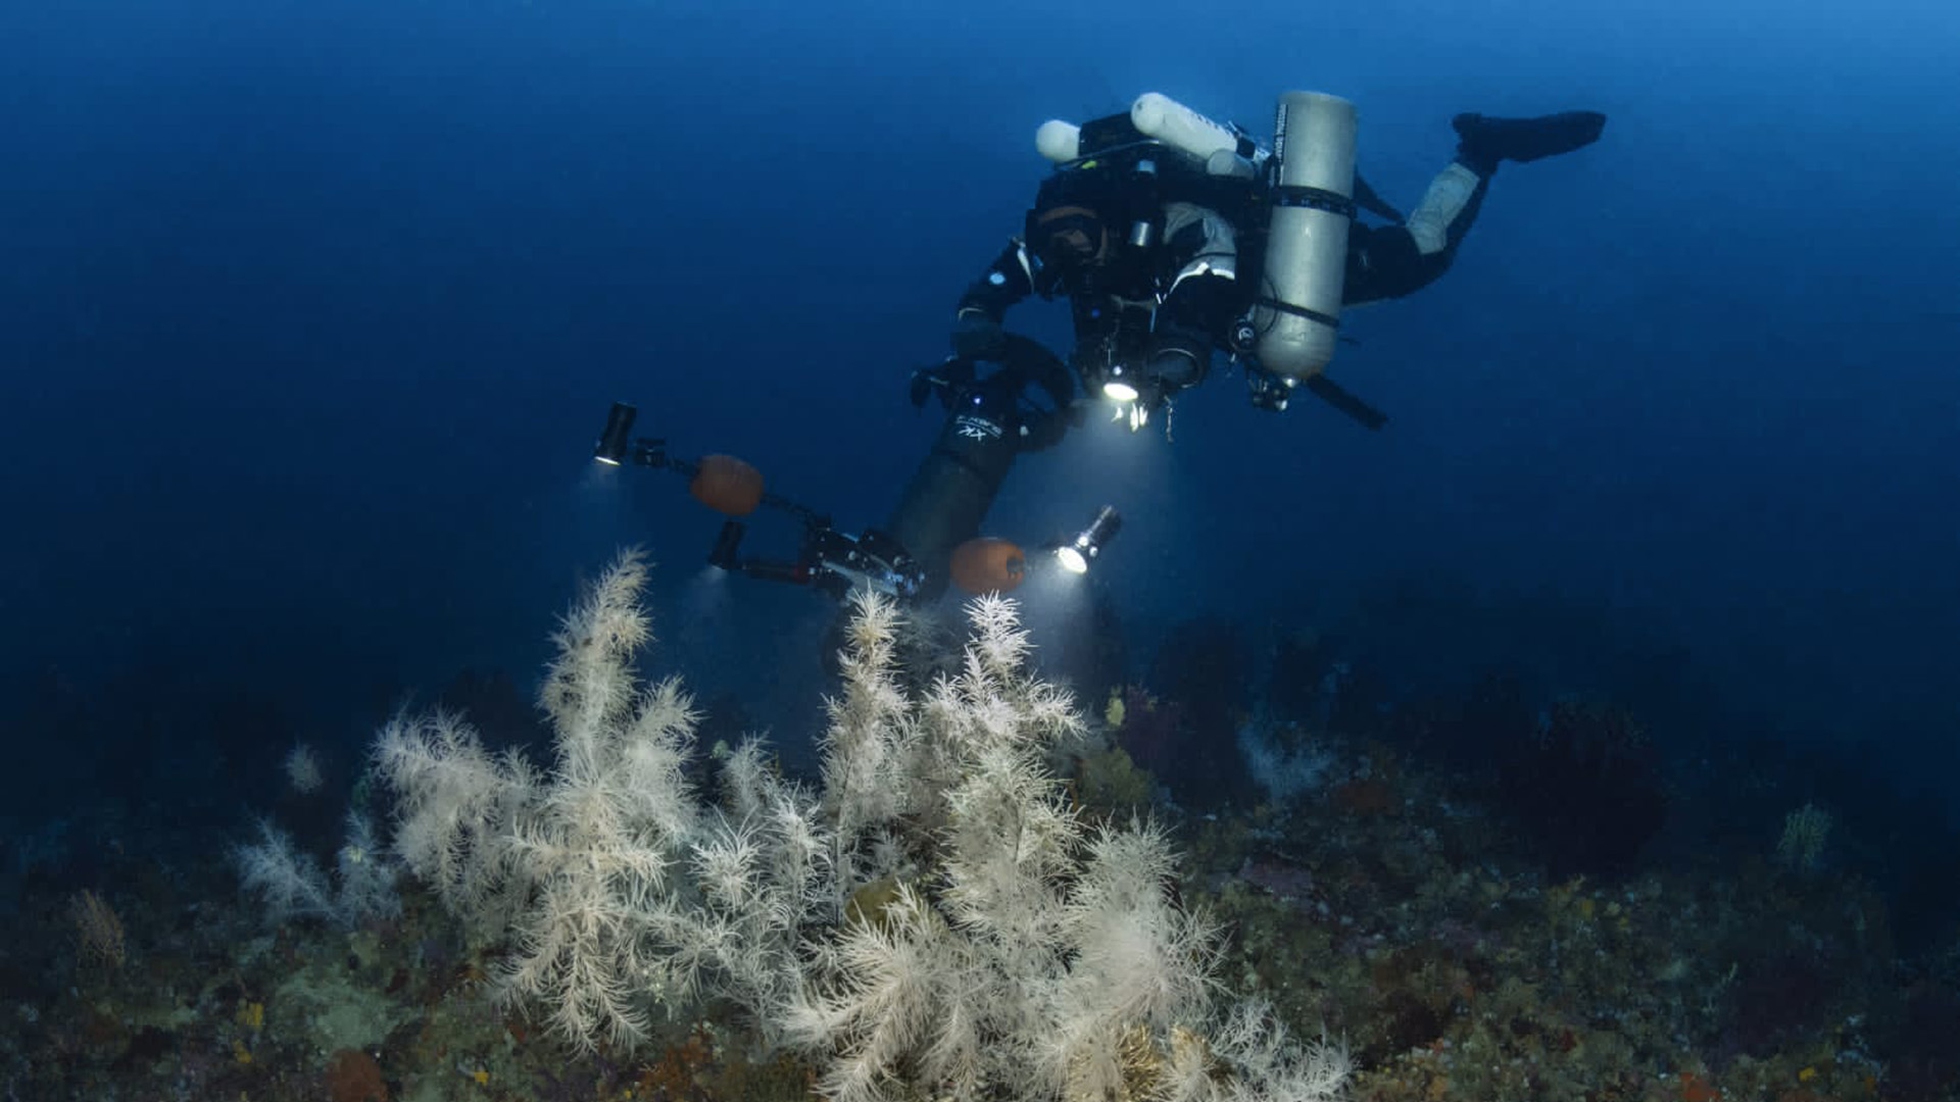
1220	150
1297	315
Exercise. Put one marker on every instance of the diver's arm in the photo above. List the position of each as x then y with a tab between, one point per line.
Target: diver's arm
1008	280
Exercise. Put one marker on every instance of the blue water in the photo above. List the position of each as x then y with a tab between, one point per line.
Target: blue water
310	313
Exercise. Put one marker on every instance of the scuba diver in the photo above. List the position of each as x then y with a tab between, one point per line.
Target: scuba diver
1144	225
1150	216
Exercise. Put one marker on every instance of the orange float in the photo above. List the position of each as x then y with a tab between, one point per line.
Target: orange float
988	565
726	485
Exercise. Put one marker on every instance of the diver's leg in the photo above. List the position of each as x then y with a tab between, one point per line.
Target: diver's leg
1392	261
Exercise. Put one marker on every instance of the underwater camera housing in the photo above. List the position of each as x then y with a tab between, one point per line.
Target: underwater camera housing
996	410
827	560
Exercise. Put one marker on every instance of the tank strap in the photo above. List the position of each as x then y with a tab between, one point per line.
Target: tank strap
1313	198
1329	320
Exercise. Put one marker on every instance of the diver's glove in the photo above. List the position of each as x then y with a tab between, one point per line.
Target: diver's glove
978	337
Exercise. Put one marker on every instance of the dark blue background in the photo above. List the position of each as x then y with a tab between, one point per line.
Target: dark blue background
309	313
